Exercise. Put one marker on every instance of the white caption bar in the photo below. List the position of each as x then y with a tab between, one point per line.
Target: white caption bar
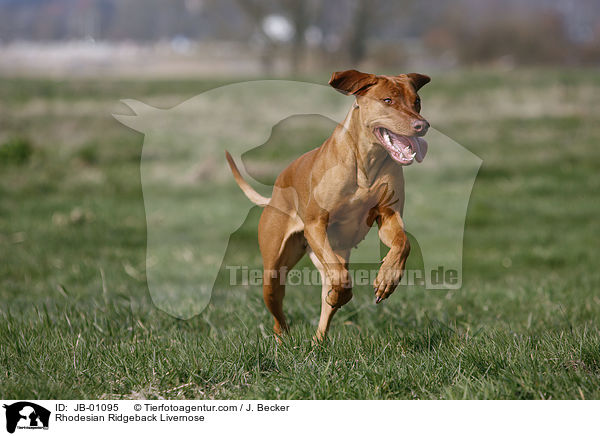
76	417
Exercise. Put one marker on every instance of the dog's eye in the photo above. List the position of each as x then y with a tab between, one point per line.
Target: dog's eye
387	100
418	104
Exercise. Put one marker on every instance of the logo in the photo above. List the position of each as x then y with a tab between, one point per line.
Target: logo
26	415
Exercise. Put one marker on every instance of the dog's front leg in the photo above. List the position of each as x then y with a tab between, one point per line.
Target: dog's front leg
391	233
335	266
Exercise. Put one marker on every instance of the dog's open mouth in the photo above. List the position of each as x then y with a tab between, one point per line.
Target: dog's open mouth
403	149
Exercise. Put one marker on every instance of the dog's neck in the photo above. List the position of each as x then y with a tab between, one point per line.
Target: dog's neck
369	156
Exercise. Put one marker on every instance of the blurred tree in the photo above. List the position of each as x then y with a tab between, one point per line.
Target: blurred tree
360	30
299	14
256	11
371	20
511	37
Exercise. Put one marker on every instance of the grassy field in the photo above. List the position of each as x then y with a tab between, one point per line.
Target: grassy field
77	320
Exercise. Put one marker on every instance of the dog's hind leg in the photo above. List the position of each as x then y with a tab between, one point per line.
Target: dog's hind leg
281	250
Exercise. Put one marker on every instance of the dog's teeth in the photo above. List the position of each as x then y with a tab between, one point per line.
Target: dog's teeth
386	136
412	156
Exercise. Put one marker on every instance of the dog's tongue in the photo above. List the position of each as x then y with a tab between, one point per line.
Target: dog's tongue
419	146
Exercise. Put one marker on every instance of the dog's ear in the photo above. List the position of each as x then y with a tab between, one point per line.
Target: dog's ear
418	80
352	82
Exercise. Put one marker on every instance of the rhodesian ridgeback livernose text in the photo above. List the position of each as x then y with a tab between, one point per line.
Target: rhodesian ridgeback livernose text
325	202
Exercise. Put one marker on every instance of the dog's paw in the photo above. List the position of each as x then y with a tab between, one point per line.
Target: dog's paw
386	282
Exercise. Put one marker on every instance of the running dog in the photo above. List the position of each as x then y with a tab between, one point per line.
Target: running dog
325	202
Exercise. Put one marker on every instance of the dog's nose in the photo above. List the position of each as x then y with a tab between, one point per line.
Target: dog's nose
420	126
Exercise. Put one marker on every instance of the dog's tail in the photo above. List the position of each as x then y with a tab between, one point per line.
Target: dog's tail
252	195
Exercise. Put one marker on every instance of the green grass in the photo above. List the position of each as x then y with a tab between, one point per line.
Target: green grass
77	320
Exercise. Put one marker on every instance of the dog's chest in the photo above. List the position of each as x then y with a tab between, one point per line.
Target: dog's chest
350	222
350	204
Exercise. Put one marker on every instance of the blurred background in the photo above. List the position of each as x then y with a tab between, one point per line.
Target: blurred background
291	37
515	82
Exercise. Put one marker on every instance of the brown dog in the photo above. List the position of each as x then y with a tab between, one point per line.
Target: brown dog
325	202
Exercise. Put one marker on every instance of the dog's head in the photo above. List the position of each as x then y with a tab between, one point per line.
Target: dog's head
389	108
